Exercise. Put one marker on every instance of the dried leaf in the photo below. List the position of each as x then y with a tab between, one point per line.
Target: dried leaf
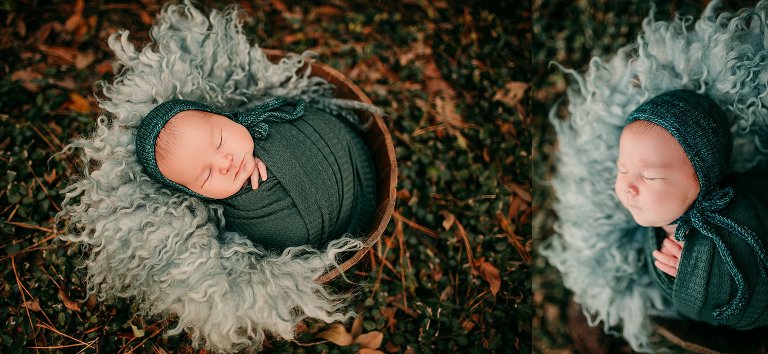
104	67
28	79
417	49
145	17
324	11
389	315
77	16
78	103
369	351
404	194
490	274
59	54
82	60
522	191
137	332
512	93
337	334
72	305
371	339
21	28
434	80
448	220
32	305
391	347
445	109
357	326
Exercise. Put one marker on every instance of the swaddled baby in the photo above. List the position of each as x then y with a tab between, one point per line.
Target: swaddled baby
286	175
707	231
707	242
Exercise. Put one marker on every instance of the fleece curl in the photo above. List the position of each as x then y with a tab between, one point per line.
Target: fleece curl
166	251
597	246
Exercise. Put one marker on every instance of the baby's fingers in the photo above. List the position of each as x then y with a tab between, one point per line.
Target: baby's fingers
666	263
669	246
254	180
666	269
262	169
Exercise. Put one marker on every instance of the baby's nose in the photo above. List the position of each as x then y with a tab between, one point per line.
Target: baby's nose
225	163
632	189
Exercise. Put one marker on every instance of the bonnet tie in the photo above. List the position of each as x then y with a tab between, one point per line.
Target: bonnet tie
705	209
254	119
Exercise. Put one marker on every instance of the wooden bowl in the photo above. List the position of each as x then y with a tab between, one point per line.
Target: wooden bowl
382	150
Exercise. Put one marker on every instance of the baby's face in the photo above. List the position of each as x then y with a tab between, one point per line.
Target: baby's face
209	154
656	181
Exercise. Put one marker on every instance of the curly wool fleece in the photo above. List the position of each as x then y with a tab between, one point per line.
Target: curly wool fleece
598	248
165	250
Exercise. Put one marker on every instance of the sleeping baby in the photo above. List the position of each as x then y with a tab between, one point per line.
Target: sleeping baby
286	175
707	231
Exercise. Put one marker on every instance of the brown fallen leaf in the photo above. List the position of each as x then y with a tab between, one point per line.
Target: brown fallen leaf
72	305
445	109
83	59
78	103
370	340
489	273
391	347
29	79
369	351
448	220
357	326
337	334
511	93
32	305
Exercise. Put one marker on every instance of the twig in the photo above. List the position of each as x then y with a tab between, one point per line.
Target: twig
425	230
23	298
45	190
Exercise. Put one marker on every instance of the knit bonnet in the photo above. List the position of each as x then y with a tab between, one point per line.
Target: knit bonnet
158	117
702	129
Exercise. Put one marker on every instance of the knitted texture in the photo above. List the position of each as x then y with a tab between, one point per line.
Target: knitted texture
321	185
597	246
705	280
158	117
168	252
699	125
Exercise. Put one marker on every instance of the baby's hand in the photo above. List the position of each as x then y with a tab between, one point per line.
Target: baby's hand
259	171
668	258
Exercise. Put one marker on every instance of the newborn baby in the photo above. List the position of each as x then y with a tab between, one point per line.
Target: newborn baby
706	231
304	179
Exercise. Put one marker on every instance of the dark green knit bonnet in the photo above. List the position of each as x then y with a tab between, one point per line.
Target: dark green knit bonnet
702	129
146	135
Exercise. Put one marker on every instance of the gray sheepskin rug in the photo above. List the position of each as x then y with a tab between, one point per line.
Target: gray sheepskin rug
165	251
596	245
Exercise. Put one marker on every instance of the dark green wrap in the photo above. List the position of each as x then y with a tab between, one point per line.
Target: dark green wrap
704	283
320	185
321	179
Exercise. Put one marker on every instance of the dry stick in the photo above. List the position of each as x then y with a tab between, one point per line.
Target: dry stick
381	269
23	298
54	330
87	345
414	225
16	207
399	233
154	334
45	190
514	239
